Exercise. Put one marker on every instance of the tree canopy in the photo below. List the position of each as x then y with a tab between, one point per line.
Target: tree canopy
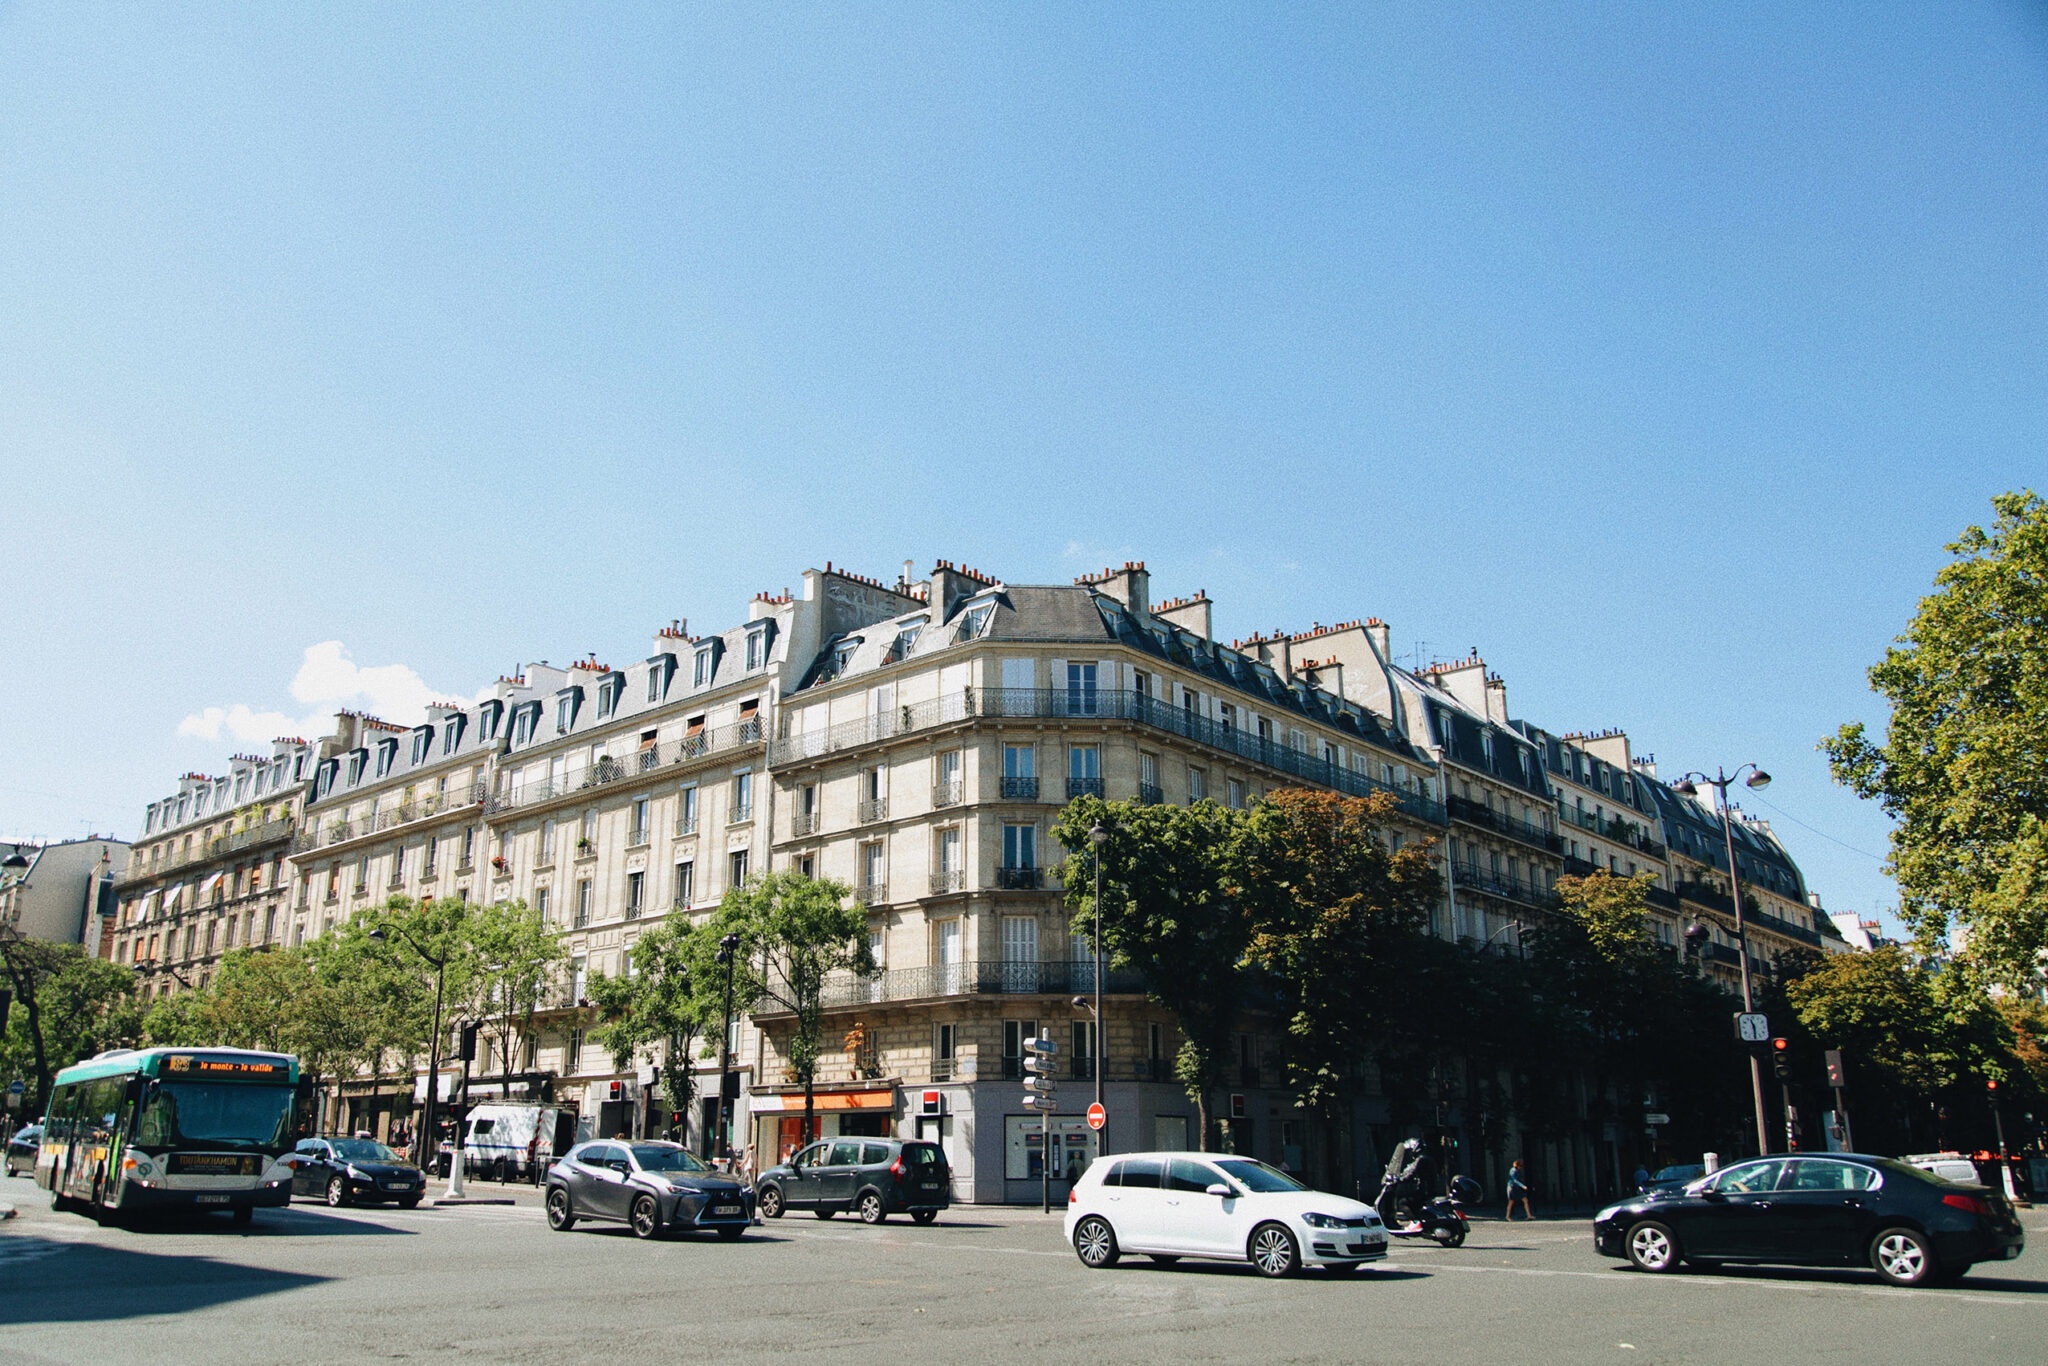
1963	764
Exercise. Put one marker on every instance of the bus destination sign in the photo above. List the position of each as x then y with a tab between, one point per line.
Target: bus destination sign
187	1064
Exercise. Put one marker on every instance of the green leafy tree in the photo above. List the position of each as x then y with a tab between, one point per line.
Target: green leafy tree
519	967
68	1006
1171	914
794	933
667	1001
1963	765
175	1021
1334	912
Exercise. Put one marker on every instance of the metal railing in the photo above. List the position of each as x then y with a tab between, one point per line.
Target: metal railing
1614	828
1471	879
990	978
1480	814
1083	787
1107	705
322	834
686	825
584	774
946	793
872	893
803	823
1020	789
948	880
1017	879
1151	794
874	809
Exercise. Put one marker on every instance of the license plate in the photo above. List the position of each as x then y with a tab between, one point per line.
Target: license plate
725	1209
397	1185
212	1199
931	1185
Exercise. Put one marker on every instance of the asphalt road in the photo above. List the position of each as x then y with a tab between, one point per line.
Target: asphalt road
492	1284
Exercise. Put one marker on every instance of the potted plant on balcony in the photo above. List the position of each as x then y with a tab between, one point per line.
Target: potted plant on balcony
500	864
585	846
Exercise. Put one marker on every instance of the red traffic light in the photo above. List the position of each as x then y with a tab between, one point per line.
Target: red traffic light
1991	1083
1780	1045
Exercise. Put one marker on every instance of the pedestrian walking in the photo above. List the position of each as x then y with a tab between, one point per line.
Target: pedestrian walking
1518	1189
1642	1177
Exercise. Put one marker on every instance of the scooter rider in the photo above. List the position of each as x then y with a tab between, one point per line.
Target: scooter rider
1410	1179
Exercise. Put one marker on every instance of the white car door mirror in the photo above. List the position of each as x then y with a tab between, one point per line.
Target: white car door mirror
1219	1189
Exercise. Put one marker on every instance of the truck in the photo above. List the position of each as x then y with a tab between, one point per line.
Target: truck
507	1142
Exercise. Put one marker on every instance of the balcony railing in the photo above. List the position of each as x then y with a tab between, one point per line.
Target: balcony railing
686	825
991	978
949	880
1151	794
1471	879
803	823
872	893
319	834
1017	879
1105	704
1020	789
1083	787
1478	813
1704	894
584	773
874	809
946	793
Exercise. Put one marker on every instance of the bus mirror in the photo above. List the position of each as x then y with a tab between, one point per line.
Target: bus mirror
305	1088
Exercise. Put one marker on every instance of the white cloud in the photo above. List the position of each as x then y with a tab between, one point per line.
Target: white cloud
328	680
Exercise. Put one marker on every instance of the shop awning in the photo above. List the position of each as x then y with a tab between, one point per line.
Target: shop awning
828	1100
208	883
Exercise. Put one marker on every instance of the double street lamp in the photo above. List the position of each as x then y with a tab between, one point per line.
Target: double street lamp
1688	786
440	966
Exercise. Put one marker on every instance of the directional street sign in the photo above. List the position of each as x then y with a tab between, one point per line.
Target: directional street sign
1097	1116
1752	1027
15	1088
1656	1119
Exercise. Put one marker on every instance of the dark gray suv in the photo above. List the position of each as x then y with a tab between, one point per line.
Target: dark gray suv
874	1177
651	1186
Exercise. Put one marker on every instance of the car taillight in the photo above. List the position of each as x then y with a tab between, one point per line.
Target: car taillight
1073	1197
1965	1202
896	1169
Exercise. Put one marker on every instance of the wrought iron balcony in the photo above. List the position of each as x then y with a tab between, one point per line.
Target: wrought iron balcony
1479	814
988	978
1083	787
686	825
803	823
1017	879
874	809
946	793
583	774
948	880
1104	704
872	893
1151	794
1469	878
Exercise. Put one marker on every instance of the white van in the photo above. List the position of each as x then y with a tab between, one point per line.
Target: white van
515	1142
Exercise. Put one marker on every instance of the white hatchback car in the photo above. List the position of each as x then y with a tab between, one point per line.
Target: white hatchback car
1173	1205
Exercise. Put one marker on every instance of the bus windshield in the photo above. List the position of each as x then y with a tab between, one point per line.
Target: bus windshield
215	1115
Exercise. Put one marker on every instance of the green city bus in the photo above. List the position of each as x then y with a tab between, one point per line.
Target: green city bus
170	1128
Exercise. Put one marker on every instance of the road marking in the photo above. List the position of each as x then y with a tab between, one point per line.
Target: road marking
1885	1291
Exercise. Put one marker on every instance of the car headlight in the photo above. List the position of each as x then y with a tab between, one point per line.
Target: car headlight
1322	1221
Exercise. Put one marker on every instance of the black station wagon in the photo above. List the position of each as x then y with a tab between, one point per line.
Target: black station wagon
874	1177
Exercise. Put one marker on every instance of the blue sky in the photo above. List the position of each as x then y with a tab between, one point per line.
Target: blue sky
1654	350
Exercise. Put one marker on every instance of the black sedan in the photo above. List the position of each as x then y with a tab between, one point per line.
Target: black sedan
1913	1228
649	1186
21	1149
347	1171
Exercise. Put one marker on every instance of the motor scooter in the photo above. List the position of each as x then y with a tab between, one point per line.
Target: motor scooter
1441	1218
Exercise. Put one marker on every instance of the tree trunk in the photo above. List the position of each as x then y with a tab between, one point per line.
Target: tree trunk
810	1083
1201	1098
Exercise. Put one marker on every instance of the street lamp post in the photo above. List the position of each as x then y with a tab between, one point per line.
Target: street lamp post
440	965
1097	837
1756	782
728	950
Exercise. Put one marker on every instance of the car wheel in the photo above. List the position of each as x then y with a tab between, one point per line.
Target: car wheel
923	1216
1095	1243
410	1202
731	1235
771	1202
560	1217
1653	1247
646	1217
1903	1257
1273	1251
1163	1258
870	1207
337	1192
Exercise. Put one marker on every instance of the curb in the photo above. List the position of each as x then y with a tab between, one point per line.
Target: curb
7	1211
470	1200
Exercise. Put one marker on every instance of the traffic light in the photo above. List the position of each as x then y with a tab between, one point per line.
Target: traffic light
1781	1058
1991	1085
1041	1062
468	1050
1835	1077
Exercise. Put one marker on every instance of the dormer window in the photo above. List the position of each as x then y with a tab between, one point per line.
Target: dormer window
976	620
524	719
609	689
487	717
906	637
357	759
567	702
422	744
706	666
660	670
757	643
842	654
387	753
451	734
241	787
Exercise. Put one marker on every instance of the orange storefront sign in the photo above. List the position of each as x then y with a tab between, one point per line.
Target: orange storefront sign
828	1100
